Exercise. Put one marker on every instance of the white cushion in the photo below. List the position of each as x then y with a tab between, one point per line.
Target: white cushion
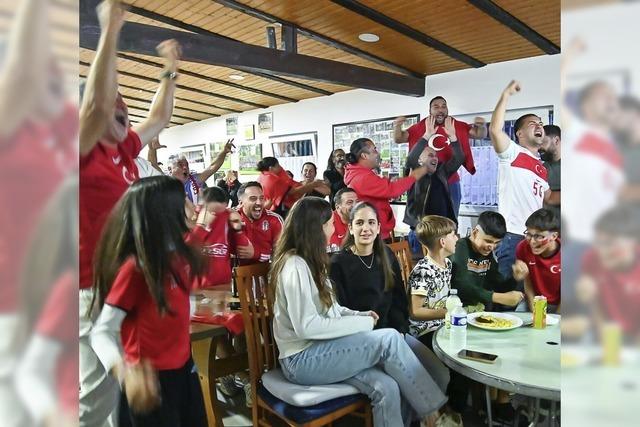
303	395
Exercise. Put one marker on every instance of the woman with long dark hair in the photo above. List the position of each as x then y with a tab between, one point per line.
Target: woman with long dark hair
321	342
334	174
144	269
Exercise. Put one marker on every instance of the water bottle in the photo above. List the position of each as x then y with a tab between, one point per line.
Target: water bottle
452	302
458	334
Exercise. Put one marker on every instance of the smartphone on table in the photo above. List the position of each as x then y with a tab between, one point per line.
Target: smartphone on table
477	356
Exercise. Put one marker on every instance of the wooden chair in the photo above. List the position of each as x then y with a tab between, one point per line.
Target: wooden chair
403	253
257	313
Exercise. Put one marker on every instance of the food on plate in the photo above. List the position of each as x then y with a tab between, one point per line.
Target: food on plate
493	321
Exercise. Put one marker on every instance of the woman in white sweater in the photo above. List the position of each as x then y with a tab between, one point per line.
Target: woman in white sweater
321	342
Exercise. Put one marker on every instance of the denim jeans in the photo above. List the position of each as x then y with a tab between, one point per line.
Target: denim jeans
455	191
378	363
506	253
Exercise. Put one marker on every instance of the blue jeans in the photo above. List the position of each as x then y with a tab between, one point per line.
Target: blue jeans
455	191
506	254
378	363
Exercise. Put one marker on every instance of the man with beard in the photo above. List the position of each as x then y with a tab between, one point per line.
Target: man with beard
108	147
550	155
522	179
438	109
195	182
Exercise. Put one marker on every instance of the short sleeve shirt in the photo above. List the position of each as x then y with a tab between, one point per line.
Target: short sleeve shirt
431	281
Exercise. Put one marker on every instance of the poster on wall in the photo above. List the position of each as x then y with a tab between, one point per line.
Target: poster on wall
265	122
232	126
195	155
249	156
294	150
380	131
249	133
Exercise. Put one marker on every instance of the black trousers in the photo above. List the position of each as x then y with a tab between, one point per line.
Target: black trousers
182	402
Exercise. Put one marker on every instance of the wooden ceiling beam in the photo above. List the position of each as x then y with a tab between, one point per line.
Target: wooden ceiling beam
198	30
265	16
514	24
146	101
406	30
143	39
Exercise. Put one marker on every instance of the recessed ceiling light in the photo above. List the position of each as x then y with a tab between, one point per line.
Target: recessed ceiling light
368	37
236	77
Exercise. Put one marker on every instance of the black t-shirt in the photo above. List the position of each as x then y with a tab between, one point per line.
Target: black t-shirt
336	183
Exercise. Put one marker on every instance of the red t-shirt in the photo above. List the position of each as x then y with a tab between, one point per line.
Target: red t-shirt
58	323
105	174
341	230
219	241
276	188
462	133
544	272
33	163
263	234
618	291
146	334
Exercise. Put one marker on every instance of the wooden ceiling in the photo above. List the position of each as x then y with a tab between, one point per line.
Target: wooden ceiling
417	38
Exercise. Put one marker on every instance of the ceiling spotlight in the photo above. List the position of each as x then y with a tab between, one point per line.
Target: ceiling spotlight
368	37
236	77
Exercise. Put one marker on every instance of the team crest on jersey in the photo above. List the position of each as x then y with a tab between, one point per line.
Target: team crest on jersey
265	225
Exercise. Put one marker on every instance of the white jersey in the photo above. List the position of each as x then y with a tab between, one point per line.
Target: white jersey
522	182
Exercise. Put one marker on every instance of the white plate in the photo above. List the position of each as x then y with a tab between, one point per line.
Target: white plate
516	322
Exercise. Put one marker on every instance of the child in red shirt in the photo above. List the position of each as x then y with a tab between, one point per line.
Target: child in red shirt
538	258
143	273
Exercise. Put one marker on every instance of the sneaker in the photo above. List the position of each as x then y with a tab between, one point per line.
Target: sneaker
452	419
247	395
227	385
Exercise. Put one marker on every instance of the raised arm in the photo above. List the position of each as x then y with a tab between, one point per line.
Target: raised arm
217	163
454	163
400	136
152	155
101	89
162	105
499	138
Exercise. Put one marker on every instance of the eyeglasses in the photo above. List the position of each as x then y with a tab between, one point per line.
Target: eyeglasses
536	237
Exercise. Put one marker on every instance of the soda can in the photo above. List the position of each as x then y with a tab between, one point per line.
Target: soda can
539	312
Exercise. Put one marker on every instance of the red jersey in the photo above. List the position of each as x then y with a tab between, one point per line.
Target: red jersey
544	272
219	241
462	133
33	163
341	230
56	323
146	334
618	291
276	188
105	174
377	190
263	234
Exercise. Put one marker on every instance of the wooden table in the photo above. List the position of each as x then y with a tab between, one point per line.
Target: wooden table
204	343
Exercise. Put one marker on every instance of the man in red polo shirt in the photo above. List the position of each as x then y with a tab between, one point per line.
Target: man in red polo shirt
108	147
262	226
438	108
344	200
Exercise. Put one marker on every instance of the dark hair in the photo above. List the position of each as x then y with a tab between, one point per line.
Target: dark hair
357	147
544	219
246	185
337	199
300	237
312	164
520	122
435	98
493	224
330	165
215	194
432	228
380	250
620	221
266	163
148	223
552	130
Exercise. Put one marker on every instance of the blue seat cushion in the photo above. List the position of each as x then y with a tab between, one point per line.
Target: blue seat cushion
305	414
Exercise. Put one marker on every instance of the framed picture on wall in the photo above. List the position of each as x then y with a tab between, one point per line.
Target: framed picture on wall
294	145
250	155
195	155
249	133
265	122
232	126
216	148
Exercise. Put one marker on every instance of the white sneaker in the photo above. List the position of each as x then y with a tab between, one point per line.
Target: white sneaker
247	394
449	420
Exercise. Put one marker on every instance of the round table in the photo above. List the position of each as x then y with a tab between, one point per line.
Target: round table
528	360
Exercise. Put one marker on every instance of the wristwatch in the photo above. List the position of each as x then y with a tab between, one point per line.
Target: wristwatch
171	75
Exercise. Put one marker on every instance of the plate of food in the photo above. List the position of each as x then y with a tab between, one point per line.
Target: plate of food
494	321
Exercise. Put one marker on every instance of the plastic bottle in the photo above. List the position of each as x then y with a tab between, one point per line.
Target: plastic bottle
458	333
452	302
